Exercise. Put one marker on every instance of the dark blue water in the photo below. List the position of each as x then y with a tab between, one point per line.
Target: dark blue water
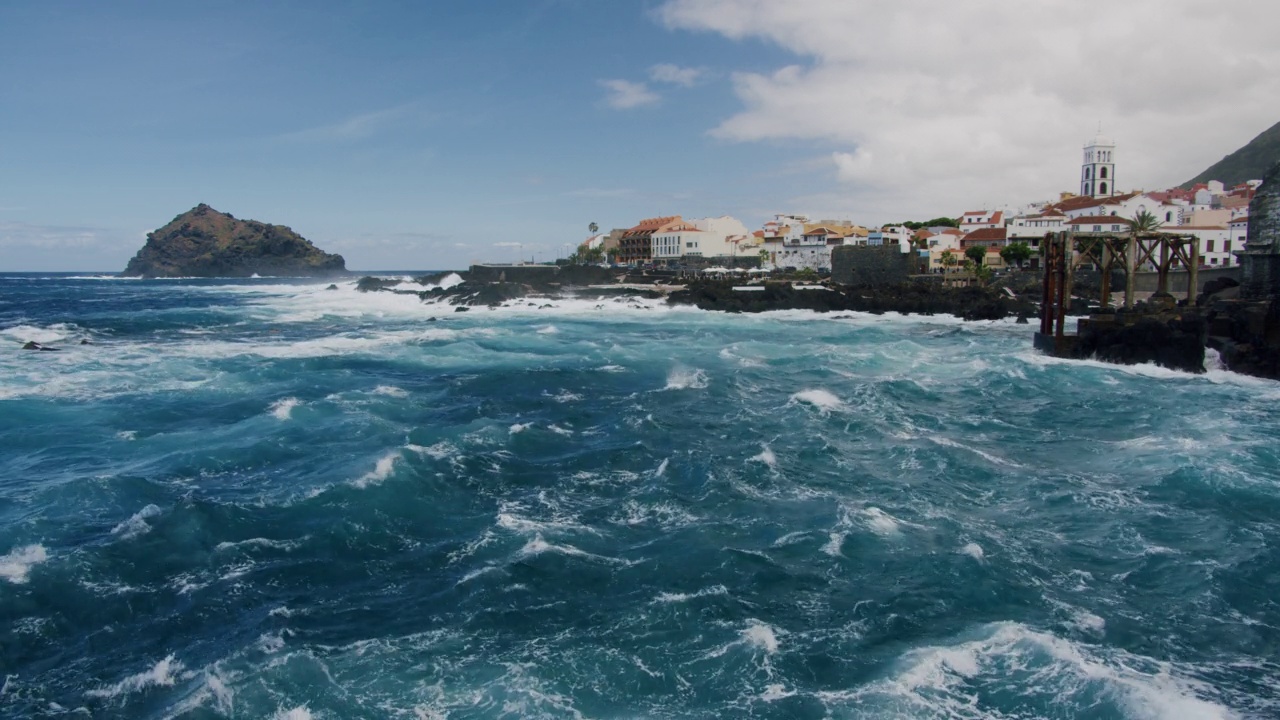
263	498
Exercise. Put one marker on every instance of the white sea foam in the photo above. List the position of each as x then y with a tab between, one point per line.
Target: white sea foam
776	692
259	542
762	636
538	546
438	451
385	466
162	674
835	543
45	335
390	391
664	514
683	378
766	456
547	330
821	399
686	597
989	457
973	550
559	430
127	434
881	522
15	566
662	468
519	428
301	712
137	523
942	681
283	407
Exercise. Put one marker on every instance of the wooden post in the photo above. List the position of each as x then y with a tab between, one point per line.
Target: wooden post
1193	273
1064	261
1130	259
1069	278
1106	273
1047	292
1162	272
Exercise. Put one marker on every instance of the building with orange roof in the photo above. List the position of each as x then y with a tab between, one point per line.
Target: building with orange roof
636	244
985	237
981	219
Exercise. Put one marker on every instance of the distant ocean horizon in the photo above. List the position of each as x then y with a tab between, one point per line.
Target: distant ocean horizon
264	498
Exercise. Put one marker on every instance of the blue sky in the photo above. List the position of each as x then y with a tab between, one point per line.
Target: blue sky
427	135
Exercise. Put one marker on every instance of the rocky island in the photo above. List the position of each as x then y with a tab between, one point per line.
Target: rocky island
203	242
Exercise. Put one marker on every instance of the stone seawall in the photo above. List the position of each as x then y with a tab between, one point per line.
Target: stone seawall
871	265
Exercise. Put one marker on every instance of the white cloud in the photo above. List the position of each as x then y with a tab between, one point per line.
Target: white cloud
624	94
18	234
928	107
356	127
601	193
675	75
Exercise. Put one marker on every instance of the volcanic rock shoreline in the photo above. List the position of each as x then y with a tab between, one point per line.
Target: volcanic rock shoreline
968	303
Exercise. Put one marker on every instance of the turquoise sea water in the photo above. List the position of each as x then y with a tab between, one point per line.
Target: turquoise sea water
262	498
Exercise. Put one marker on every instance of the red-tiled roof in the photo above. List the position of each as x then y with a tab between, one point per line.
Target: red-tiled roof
1241	219
986	234
654	223
1080	203
1100	220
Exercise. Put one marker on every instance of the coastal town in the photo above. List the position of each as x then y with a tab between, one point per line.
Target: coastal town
995	238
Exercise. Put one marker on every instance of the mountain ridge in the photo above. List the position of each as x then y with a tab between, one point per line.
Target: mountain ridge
1249	162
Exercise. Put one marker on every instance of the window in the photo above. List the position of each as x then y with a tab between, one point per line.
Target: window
1168	217
1087	171
1103	173
1226	246
1102	188
1209	247
1097	228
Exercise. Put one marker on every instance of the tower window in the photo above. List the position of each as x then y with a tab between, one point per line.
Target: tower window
1104	173
1087	172
1087	190
1102	188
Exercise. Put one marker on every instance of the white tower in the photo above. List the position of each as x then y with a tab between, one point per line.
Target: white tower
1098	172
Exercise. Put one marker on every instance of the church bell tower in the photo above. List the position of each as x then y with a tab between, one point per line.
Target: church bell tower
1098	172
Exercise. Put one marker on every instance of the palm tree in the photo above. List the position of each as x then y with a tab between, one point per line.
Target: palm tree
593	228
1145	222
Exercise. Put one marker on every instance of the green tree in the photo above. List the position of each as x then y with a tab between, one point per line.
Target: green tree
949	259
1145	222
594	228
976	253
764	256
1016	253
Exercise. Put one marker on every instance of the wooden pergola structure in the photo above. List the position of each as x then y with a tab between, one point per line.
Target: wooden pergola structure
1065	251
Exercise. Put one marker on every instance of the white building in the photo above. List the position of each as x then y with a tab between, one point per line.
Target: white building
723	236
1031	229
981	219
1238	233
1215	244
1098	171
676	241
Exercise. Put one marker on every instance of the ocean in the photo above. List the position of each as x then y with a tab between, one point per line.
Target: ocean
262	498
